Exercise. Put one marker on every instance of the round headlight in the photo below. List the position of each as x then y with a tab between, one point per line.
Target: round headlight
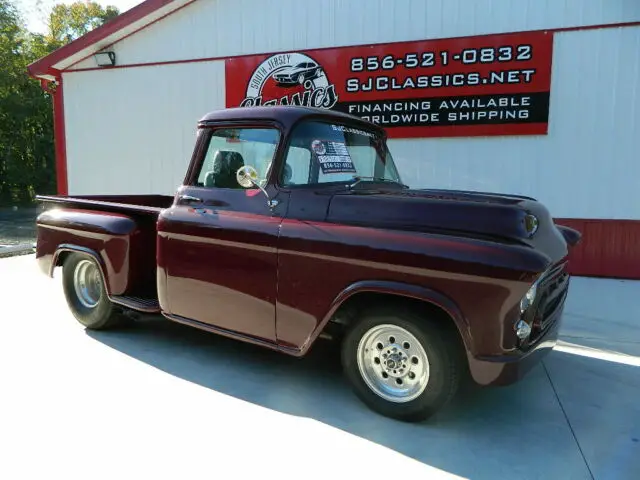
528	298
531	294
531	224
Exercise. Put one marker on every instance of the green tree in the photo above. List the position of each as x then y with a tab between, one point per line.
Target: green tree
26	146
27	158
68	22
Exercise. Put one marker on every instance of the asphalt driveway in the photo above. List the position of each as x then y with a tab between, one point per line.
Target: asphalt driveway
18	226
161	400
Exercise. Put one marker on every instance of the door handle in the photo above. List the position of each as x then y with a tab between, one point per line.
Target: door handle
189	198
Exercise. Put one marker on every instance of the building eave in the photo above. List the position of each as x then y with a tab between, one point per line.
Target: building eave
104	36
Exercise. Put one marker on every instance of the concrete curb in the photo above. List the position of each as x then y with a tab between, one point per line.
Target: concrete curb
15	250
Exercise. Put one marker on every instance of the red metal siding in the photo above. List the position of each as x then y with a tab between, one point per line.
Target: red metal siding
609	248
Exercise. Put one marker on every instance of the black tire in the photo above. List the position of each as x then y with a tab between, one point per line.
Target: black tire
442	346
104	314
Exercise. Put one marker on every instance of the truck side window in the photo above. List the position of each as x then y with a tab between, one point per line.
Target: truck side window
230	149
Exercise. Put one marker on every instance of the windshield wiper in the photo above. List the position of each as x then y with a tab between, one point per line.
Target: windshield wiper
359	179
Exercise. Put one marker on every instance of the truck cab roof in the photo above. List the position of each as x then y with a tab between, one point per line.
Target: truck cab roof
287	115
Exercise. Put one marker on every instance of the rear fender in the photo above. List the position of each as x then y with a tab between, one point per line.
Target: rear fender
399	289
57	260
105	236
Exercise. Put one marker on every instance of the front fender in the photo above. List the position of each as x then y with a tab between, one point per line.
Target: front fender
400	289
571	235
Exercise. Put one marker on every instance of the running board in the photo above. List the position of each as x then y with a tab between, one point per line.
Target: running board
231	334
147	305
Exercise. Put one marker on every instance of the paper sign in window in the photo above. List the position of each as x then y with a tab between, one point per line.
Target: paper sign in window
333	157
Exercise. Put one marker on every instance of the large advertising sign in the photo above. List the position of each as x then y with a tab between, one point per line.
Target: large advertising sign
470	86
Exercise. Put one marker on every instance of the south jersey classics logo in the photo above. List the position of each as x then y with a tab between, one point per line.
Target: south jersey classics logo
290	79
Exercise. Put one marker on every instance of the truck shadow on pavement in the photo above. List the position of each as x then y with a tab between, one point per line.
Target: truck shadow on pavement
474	437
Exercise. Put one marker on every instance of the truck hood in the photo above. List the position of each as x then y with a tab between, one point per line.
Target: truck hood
490	216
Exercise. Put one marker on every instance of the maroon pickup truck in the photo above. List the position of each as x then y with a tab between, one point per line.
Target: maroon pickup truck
293	223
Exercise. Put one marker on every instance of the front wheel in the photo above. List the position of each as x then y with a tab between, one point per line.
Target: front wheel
402	365
86	293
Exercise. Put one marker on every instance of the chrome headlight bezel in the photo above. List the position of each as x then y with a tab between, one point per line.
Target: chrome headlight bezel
531	224
529	298
523	326
531	295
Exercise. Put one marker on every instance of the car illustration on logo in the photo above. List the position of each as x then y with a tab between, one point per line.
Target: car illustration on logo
291	78
298	74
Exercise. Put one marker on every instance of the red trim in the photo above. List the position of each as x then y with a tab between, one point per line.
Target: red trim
596	27
609	248
211	59
44	65
60	139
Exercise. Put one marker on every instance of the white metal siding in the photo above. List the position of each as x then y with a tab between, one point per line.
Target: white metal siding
133	130
588	166
110	39
219	28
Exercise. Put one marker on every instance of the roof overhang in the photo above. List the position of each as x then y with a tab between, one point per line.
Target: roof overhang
134	19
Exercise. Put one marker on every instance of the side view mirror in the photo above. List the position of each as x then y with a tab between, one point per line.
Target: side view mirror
247	177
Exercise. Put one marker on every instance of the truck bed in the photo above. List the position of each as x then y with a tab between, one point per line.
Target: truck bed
126	241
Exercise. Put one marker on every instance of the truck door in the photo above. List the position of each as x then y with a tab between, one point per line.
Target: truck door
217	245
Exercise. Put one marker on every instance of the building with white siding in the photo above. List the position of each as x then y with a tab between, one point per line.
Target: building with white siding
568	72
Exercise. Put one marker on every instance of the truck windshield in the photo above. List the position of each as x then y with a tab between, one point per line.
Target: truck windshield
329	153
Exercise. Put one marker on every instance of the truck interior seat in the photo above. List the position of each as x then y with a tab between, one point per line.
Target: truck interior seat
225	165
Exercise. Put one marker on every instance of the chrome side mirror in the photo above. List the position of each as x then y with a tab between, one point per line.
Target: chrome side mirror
247	177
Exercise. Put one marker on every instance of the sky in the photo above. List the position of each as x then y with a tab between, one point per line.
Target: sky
35	12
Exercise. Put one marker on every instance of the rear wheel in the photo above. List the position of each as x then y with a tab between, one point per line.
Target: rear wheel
86	293
402	365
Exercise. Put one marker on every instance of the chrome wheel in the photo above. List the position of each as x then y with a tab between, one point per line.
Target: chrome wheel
393	363
87	283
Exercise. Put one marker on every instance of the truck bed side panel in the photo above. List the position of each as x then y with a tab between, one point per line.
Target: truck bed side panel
128	204
125	246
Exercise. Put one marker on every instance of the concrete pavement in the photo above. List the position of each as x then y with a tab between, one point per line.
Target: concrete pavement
161	400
